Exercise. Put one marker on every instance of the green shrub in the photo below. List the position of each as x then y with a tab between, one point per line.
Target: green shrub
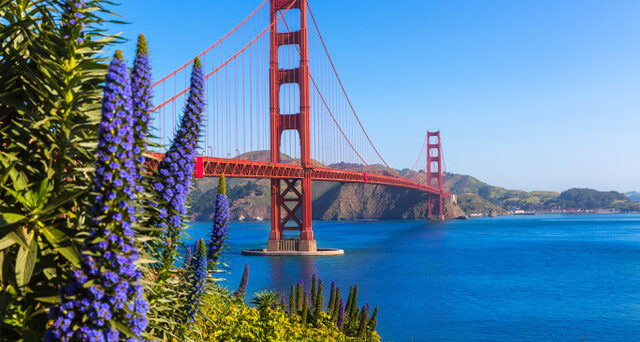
223	319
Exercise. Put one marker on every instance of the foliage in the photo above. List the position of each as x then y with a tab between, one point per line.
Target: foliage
347	318
266	299
68	199
592	199
475	196
227	320
51	71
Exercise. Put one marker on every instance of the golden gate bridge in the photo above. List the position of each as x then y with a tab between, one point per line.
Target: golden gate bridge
276	108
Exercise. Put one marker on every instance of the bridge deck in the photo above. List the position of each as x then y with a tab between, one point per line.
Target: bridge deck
238	168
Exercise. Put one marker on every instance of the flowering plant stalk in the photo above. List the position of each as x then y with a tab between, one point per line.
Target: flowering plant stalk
187	258
103	299
242	289
142	102
175	172
220	224
340	323
198	281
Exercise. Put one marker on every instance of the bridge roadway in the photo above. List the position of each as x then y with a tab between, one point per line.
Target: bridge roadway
239	168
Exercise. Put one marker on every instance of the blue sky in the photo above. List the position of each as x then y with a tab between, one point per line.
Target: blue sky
531	95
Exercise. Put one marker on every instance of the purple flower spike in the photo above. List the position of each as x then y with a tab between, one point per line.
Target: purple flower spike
220	224
176	170
242	289
72	21
142	101
341	314
198	281
108	254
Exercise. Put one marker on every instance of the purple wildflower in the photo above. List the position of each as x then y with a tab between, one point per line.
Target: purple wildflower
198	281
72	21
341	314
179	164
220	224
242	289
108	254
142	101
187	258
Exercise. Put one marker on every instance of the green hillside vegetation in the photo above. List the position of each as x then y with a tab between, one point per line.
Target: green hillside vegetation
251	198
472	203
500	199
592	199
633	196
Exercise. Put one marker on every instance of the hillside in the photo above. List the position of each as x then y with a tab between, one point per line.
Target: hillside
634	196
488	197
250	199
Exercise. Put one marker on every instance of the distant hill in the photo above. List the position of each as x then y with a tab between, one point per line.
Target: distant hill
504	198
250	198
500	199
633	196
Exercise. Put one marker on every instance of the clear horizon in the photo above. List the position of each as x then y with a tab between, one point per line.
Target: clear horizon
533	95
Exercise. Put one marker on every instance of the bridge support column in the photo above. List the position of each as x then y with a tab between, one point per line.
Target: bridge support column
434	172
290	198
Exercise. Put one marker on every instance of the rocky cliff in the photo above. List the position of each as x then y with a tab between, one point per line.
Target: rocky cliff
249	200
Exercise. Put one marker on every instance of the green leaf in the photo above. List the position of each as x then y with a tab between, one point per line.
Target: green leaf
1	267
17	237
57	238
25	263
123	328
70	253
6	242
60	201
50	299
10	218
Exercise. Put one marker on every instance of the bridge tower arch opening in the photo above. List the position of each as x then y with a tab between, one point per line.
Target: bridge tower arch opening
290	198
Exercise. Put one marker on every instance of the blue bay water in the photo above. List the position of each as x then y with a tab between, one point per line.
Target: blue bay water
514	278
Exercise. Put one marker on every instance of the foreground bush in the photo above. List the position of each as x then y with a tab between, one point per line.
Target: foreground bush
226	319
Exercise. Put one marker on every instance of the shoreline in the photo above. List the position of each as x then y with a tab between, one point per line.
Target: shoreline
446	219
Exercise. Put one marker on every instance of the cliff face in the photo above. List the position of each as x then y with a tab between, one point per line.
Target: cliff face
366	201
250	200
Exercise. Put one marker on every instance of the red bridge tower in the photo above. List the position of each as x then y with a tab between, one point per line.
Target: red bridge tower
290	198
434	171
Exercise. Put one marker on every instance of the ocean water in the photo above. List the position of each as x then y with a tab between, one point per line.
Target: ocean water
514	278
